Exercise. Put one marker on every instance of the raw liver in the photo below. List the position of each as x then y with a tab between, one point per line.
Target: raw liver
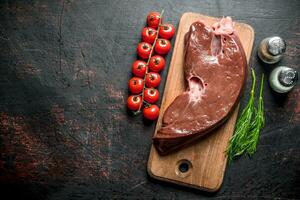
215	72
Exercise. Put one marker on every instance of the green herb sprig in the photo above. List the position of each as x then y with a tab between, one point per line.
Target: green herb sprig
248	126
257	124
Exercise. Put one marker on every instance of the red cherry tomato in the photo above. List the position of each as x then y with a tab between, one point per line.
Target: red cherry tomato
162	46
139	68
134	102
151	95
166	31
152	79
149	34
151	112
136	85
157	63
144	49
153	19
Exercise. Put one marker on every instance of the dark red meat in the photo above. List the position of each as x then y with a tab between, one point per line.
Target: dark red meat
215	72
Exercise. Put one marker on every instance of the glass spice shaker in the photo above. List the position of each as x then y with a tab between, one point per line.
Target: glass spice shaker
282	79
270	49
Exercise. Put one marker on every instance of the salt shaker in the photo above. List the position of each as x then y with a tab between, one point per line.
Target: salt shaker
270	49
282	79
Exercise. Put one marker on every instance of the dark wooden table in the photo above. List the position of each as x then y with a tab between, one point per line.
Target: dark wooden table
65	132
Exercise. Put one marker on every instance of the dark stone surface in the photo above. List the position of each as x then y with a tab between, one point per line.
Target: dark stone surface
64	130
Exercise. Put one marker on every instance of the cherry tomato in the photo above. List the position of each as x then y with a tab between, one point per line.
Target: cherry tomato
166	31
134	102
144	49
139	68
136	85
157	63
151	95
152	79
153	19
162	46
149	34
151	112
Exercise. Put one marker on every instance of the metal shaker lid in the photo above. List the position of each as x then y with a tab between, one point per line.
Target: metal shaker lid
276	45
288	77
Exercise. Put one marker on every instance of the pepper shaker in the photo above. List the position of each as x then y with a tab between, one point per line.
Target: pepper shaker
282	79
270	49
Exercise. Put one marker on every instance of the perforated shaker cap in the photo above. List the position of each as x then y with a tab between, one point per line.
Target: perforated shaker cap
276	45
288	77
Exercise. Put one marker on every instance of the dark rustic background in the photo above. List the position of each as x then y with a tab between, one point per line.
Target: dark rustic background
65	132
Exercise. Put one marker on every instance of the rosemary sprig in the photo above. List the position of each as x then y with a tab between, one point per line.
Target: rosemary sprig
236	145
249	124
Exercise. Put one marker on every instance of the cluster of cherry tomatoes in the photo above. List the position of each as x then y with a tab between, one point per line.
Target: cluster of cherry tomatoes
155	44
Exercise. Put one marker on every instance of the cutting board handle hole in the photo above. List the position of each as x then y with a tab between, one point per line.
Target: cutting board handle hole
183	168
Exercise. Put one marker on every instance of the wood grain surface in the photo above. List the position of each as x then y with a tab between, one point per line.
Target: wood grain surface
206	158
65	132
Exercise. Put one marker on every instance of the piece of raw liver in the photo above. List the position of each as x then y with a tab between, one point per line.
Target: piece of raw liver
215	72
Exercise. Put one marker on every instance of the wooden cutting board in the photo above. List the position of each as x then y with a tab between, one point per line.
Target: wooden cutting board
201	165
